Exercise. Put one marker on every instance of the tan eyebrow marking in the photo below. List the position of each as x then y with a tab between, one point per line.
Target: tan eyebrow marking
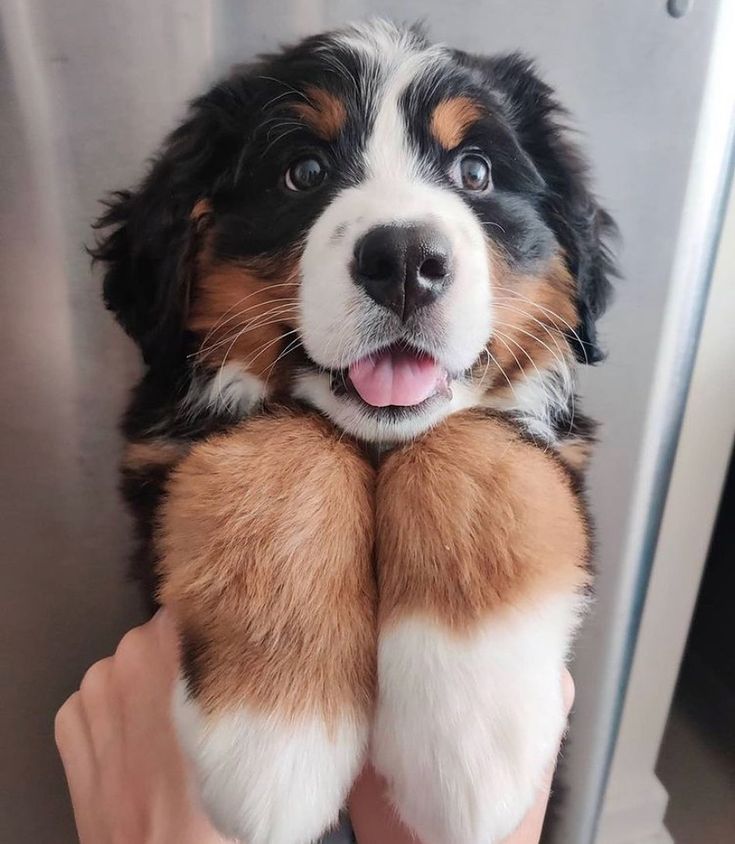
324	112
452	118
202	209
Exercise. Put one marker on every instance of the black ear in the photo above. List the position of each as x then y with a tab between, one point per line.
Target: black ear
582	228
149	236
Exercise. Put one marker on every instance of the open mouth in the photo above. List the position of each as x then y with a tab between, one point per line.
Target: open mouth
395	376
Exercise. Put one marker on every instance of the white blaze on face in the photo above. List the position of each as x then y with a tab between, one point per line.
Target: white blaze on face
340	322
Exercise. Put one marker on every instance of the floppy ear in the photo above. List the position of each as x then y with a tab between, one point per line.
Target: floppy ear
569	208
152	233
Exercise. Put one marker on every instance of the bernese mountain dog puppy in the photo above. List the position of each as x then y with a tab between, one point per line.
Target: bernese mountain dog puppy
361	273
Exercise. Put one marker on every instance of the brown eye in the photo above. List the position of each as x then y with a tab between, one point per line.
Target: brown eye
305	174
472	172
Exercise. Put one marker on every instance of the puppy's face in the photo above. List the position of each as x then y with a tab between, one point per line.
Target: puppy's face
384	228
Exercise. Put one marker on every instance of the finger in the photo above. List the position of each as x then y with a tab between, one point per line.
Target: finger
74	744
147	656
137	659
101	709
529	831
568	690
137	684
168	643
145	665
371	813
75	748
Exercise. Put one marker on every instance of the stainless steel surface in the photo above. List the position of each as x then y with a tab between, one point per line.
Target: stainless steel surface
703	211
87	90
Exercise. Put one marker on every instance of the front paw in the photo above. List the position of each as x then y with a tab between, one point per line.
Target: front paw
481	551
265	779
266	543
466	726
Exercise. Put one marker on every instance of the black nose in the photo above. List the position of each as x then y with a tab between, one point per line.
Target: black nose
403	267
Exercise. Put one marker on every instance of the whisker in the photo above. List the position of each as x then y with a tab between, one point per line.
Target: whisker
563	370
280	138
289	89
538	322
487	365
563	364
555	315
270	317
244	299
237	335
220	371
250	361
222	322
275	99
502	371
340	68
292	345
501	336
275	304
279	124
289	348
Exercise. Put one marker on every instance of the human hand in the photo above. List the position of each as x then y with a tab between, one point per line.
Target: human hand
128	780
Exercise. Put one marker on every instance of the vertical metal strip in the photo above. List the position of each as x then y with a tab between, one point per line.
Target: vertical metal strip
701	224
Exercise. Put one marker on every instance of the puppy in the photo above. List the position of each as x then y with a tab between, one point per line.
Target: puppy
361	274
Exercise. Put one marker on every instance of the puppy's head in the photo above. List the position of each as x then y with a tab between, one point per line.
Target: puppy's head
386	228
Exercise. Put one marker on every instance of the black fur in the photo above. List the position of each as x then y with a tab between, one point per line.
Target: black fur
582	228
143	491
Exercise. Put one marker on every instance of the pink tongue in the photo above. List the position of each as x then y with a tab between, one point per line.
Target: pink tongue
396	377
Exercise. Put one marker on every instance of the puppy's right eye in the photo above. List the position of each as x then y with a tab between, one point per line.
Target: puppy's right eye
472	173
305	174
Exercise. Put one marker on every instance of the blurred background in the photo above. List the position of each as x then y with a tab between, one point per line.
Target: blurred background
87	89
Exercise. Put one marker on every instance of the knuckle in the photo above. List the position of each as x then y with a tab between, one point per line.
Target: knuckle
65	719
131	651
95	681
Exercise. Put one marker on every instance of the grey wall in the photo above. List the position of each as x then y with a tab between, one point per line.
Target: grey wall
87	89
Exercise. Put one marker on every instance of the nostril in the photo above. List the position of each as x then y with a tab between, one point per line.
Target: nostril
434	268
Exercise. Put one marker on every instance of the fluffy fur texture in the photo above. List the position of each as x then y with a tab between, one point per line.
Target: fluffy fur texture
472	518
253	567
265	781
482	546
467	726
265	543
233	266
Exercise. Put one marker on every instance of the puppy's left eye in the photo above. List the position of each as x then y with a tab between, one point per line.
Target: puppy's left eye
305	174
471	172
